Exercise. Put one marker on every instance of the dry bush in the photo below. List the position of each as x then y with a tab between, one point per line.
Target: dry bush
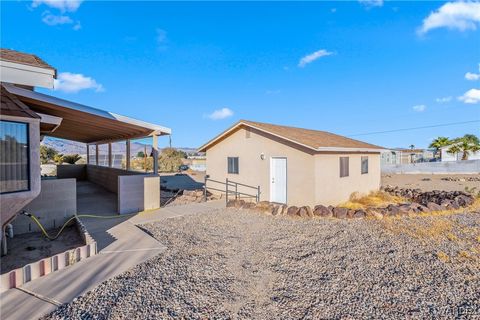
375	199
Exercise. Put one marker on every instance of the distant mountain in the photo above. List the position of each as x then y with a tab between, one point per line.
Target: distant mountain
73	147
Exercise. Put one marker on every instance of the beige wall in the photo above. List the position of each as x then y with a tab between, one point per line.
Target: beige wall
333	190
311	178
11	203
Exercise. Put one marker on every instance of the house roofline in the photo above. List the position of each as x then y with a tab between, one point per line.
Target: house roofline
204	147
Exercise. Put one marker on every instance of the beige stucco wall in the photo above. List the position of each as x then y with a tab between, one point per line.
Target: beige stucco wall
333	190
311	178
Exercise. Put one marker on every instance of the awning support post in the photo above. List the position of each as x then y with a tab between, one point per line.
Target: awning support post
155	153
88	153
109	155
127	162
96	154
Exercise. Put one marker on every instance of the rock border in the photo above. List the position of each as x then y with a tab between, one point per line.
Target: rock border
421	202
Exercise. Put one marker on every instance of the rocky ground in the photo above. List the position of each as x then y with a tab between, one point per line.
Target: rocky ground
240	264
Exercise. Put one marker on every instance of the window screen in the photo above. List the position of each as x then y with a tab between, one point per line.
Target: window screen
14	157
364	164
233	165
344	167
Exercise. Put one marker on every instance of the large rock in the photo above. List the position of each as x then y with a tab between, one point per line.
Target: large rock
434	207
239	203
292	211
249	205
359	214
322	211
464	200
305	212
231	203
376	213
340	213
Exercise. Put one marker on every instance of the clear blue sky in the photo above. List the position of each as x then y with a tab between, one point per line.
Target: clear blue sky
176	63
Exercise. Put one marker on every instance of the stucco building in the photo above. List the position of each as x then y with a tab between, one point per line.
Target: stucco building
293	165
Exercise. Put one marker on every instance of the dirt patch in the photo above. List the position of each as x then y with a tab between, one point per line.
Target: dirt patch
31	247
429	182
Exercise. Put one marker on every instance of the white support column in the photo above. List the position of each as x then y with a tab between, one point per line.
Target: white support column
127	155
155	153
109	155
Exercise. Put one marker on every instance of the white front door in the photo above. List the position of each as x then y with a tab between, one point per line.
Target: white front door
278	180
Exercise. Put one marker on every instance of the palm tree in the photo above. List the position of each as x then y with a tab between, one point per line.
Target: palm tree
467	144
438	143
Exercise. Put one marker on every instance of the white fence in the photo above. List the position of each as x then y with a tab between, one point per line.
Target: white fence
450	167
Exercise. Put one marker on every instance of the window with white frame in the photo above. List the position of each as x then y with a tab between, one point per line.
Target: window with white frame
364	164
232	163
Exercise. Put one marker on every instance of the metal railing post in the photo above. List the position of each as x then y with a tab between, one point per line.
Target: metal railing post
236	191
258	193
205	188
226	190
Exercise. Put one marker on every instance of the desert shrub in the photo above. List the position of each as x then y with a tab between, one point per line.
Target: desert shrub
71	158
375	199
47	154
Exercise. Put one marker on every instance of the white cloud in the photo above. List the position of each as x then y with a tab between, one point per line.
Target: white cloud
371	3
161	38
309	58
53	20
472	96
453	15
221	114
419	108
472	76
77	26
62	5
443	99
74	82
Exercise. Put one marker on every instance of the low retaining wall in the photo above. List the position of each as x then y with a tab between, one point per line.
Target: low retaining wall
56	203
107	177
448	167
18	277
77	171
138	193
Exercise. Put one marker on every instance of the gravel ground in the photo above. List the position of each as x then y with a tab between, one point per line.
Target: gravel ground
245	265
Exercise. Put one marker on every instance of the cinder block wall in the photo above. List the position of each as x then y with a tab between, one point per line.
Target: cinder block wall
107	177
77	171
56	203
138	193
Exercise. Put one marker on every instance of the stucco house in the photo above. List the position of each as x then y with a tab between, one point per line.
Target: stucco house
292	165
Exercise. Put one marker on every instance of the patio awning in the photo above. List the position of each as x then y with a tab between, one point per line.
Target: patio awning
83	123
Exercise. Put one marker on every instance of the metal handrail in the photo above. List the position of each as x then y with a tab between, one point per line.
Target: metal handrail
230	183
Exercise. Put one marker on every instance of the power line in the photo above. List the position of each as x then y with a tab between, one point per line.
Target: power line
415	128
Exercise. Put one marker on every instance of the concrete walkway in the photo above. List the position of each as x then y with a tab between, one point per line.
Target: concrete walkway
121	245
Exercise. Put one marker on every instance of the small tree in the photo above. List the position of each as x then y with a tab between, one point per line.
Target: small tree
47	154
140	154
71	158
440	142
170	159
467	144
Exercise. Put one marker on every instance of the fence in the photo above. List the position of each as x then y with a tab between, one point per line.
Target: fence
448	167
231	187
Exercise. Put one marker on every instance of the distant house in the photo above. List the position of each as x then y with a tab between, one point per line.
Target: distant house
405	156
293	165
446	156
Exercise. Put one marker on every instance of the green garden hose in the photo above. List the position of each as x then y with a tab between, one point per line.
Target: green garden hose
48	236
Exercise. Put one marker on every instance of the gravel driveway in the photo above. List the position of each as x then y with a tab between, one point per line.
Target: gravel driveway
244	265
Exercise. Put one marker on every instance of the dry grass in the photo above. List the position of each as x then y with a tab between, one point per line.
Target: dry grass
375	199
